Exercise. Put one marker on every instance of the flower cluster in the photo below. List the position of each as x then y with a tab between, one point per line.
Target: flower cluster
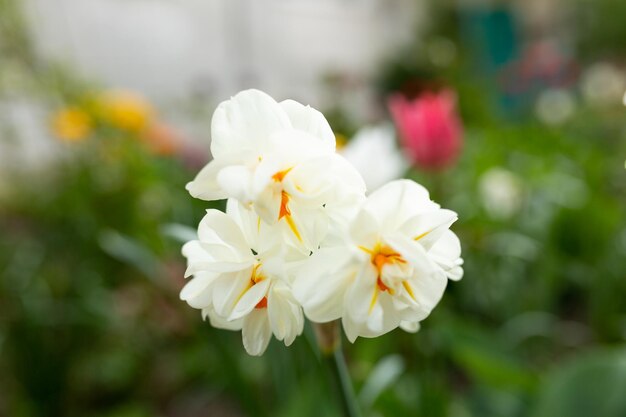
300	238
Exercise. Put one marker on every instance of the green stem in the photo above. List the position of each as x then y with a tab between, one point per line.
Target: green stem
329	340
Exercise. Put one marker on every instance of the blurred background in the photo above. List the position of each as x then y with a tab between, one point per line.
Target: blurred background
511	112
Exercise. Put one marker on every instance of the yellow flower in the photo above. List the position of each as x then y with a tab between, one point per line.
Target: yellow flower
71	124
126	110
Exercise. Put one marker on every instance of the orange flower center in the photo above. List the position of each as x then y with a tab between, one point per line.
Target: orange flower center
385	256
381	256
284	211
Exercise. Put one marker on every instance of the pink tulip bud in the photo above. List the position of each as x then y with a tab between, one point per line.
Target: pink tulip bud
429	128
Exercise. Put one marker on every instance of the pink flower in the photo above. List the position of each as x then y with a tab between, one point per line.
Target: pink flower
429	128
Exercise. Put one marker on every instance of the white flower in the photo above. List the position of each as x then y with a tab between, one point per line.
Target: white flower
280	159
555	106
240	278
602	84
375	154
393	269
501	192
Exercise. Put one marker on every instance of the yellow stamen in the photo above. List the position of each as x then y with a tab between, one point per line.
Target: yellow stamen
250	284
280	175
374	299
408	289
293	227
422	235
368	251
255	278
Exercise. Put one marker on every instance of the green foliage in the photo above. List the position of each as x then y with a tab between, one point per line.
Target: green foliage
591	385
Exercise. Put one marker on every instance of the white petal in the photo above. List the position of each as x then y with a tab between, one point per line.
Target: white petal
384	317
216	267
266	169
321	282
205	186
446	252
428	227
447	247
412	252
347	175
310	181
309	120
218	227
362	295
236	181
455	274
379	322
285	315
256	332
267	205
221	252
396	202
220	322
243	123
250	299
365	229
428	290
305	228
228	289
248	221
410	326
194	252
350	327
197	292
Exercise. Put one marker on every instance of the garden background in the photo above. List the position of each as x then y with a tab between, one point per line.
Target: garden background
105	109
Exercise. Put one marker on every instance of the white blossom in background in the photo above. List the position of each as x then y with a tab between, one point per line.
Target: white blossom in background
603	84
501	193
299	234
373	151
393	268
555	106
240	281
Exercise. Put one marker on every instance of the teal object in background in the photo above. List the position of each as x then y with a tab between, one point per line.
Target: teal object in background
491	36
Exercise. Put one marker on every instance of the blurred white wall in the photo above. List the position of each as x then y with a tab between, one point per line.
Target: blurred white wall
174	51
171	49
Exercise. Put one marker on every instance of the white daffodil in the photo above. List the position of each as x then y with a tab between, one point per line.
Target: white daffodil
393	269
280	159
373	151
240	278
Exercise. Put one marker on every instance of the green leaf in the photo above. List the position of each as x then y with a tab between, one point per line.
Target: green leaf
130	252
385	373
590	385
